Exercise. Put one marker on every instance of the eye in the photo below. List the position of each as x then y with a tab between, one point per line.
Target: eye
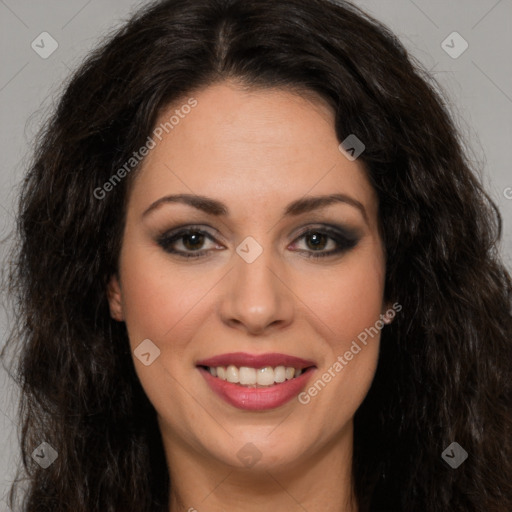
188	243
322	242
319	242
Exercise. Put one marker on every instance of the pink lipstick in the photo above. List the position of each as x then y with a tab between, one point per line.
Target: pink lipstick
256	381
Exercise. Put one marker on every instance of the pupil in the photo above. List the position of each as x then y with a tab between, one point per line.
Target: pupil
316	239
193	241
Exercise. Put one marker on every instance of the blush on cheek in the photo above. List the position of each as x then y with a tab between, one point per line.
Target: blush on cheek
151	306
349	304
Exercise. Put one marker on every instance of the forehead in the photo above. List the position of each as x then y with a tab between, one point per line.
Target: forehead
248	147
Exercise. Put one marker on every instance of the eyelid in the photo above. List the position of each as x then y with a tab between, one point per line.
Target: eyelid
339	230
173	235
345	238
187	228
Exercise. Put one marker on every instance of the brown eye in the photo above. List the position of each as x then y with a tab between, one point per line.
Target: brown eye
327	241
316	240
193	241
188	243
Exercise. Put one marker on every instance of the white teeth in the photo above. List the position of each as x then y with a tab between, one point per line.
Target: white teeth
246	376
280	374
265	376
232	374
289	373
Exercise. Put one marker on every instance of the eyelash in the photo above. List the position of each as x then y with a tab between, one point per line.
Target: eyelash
345	241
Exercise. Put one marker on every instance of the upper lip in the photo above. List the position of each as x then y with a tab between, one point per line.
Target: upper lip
256	360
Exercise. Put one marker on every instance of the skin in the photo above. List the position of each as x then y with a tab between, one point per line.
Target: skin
255	151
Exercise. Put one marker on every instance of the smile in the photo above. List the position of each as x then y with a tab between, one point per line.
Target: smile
255	377
256	382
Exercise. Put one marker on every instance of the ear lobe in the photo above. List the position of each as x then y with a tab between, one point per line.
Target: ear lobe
115	302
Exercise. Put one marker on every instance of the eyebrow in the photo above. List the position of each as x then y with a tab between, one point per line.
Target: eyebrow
297	207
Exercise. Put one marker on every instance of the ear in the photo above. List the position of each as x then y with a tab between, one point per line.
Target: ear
115	301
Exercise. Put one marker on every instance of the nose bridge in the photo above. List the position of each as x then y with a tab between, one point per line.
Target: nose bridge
256	298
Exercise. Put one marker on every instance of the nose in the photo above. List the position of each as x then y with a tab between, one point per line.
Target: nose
256	297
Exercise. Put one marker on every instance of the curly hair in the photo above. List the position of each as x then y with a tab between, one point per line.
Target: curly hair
444	370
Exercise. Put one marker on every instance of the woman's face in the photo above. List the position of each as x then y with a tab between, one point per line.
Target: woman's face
248	173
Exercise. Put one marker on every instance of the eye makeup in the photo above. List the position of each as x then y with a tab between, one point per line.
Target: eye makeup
188	241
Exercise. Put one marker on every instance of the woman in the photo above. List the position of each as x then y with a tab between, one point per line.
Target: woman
256	270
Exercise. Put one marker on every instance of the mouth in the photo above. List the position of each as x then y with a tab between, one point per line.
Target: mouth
256	382
246	376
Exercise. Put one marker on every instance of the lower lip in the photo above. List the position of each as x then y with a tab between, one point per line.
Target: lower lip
257	399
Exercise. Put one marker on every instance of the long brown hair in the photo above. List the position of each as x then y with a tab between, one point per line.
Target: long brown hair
444	373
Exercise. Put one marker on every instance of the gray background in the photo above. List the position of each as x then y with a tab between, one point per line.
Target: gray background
477	85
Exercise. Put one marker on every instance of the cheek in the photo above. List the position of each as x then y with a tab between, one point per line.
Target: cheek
149	304
348	304
157	299
162	305
348	298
